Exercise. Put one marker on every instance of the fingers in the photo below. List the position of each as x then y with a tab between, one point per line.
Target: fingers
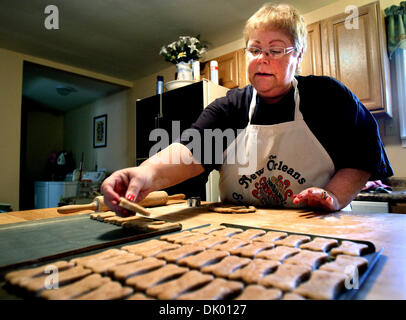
131	183
113	188
316	198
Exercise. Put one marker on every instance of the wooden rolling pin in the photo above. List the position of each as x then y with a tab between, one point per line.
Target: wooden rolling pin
155	198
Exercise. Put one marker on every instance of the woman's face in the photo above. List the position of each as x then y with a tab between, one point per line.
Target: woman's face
271	77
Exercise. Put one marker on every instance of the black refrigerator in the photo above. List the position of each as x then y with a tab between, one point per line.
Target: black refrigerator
176	109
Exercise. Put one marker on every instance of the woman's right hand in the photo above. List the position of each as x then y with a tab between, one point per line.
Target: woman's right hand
132	183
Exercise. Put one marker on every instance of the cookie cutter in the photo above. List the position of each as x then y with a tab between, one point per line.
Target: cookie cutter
193	202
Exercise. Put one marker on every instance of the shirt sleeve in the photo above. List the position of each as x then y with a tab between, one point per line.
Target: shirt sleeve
350	133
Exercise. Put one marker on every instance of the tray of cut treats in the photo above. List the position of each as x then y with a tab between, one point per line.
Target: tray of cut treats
29	242
210	262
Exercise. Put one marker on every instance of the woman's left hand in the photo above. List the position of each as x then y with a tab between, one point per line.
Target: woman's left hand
317	198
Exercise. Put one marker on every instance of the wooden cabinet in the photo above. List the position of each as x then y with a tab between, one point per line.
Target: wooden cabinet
354	54
312	60
232	73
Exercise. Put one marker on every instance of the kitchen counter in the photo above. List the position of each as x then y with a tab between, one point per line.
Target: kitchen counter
394	196
386	281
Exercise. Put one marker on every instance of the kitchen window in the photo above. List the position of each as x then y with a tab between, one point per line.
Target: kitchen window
399	66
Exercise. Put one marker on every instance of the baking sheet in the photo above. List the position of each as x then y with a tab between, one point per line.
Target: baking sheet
371	255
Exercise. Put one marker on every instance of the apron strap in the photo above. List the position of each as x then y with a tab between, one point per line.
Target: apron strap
253	104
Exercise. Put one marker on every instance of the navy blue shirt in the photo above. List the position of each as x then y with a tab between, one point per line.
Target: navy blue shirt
342	124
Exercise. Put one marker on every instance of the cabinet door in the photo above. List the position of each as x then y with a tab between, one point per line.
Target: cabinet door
242	69
312	61
147	113
228	70
352	55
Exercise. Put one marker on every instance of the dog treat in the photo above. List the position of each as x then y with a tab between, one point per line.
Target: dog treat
232	209
135	221
125	271
248	234
215	290
231	245
161	225
112	290
98	256
350	248
182	252
101	266
69	275
292	296
147	280
148	224
323	285
193	239
132	206
209	229
139	296
226	232
15	277
150	248
252	249
308	258
346	264
254	271
320	244
271	236
204	258
292	241
286	277
172	289
100	216
118	220
226	266
257	292
213	241
279	253
176	236
75	289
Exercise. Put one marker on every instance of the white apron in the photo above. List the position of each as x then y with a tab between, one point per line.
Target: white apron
288	159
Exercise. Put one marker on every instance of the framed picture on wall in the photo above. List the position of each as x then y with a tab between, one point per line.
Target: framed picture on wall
100	131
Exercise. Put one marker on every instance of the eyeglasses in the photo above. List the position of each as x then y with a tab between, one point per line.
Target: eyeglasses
273	52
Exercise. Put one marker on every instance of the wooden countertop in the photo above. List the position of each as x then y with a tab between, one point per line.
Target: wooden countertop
387	231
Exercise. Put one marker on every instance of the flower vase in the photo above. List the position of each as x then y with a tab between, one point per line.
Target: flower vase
184	70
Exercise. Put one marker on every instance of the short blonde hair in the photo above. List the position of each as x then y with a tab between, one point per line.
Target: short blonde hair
279	17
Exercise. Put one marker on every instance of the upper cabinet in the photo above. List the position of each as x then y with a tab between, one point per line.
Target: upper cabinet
312	60
354	53
231	67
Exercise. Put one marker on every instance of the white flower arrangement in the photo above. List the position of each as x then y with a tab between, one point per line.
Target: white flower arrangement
186	48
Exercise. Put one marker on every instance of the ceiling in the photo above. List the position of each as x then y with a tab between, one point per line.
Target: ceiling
122	38
54	90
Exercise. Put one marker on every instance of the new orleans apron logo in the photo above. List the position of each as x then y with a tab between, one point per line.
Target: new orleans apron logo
274	190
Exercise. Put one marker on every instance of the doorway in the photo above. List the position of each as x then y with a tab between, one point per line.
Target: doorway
49	95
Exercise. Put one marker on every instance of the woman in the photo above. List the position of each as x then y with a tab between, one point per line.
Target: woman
313	143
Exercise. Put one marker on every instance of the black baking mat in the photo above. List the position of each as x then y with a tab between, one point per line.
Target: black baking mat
29	242
370	254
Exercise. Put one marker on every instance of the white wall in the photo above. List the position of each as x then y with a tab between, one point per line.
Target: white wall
78	133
